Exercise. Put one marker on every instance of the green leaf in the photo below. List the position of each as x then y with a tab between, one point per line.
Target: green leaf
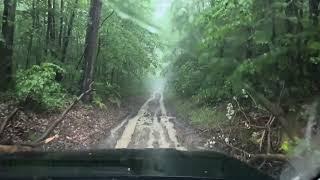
261	37
314	45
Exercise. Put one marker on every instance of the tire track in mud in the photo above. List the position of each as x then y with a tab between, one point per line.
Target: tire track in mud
111	141
150	128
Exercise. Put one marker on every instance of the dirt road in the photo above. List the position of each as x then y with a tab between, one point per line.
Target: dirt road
150	128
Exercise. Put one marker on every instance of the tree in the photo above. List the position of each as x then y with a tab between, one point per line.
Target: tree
69	32
61	23
314	11
126	48
33	16
6	44
91	46
271	47
51	27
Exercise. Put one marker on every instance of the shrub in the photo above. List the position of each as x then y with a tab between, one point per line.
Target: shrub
208	117
106	89
39	86
202	116
97	100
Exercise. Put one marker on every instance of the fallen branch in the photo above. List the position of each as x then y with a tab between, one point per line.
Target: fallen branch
262	140
5	122
9	149
63	115
311	122
269	134
254	157
274	109
280	157
14	148
241	110
23	147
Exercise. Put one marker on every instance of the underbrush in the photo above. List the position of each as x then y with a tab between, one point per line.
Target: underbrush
39	87
238	127
202	117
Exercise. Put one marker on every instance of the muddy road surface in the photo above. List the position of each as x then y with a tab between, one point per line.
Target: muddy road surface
151	127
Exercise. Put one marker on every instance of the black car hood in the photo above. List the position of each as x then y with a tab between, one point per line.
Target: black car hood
125	163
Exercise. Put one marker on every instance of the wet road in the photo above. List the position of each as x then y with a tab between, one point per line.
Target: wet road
150	128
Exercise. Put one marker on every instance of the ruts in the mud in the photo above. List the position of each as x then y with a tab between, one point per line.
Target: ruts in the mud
150	128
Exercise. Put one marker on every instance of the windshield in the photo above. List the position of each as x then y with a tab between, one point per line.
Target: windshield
236	77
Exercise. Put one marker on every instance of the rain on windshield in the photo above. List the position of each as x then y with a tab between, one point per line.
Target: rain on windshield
235	77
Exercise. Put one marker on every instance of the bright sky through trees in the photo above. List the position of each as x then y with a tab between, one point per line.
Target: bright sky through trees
162	8
161	16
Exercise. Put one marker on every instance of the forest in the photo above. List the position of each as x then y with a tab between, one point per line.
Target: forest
242	74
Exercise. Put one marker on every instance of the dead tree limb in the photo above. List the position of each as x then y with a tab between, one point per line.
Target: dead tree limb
280	157
23	147
254	157
41	139
269	134
311	121
14	148
274	109
5	122
61	118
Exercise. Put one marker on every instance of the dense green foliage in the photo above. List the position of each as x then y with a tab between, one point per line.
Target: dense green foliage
271	46
237	62
127	56
39	85
55	33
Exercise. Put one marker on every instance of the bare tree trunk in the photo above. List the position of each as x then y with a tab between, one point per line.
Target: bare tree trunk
273	21
91	46
112	81
314	11
33	14
50	36
61	22
48	27
6	45
69	33
53	29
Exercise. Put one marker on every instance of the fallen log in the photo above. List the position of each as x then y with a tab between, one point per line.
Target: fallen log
14	148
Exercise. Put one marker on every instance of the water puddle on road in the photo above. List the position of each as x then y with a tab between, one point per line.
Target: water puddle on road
150	128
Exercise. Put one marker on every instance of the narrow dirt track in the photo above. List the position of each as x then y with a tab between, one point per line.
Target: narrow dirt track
150	128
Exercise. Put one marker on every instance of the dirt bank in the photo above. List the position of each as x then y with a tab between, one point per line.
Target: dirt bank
83	128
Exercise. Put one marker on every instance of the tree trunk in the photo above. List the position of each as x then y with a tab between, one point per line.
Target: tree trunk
295	54
314	11
38	53
33	14
61	23
112	76
69	33
6	44
53	29
91	46
50	36
48	27
99	47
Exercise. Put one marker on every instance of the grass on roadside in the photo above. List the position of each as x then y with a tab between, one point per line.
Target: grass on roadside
202	116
